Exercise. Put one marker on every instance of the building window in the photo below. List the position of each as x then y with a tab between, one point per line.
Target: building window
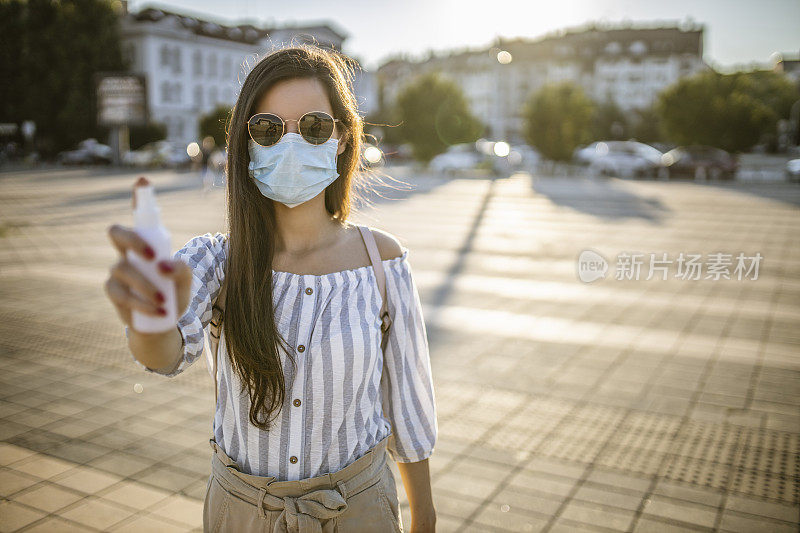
638	47
197	60
165	55
212	66
198	96
165	92
212	96
177	60
226	68
177	93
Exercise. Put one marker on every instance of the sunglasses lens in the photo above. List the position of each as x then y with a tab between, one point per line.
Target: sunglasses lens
316	127
265	129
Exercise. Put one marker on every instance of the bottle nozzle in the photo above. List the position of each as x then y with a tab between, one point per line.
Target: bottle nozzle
147	212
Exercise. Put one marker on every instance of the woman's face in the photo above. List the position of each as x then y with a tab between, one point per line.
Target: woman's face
291	99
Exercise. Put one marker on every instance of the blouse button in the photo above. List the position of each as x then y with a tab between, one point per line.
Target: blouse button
309	290
301	348
297	402
293	459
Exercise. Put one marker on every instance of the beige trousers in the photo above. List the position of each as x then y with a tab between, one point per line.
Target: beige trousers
361	497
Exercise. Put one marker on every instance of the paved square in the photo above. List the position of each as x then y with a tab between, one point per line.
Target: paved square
612	405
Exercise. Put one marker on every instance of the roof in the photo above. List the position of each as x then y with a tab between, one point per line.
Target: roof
244	33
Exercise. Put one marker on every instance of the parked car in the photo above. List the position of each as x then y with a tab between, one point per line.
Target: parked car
620	158
793	170
524	157
457	158
88	152
700	162
158	154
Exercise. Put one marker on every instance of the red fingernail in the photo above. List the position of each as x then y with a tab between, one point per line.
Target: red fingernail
162	312
149	252
165	267
160	297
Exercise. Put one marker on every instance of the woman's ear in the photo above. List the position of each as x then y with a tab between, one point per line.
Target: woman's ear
342	143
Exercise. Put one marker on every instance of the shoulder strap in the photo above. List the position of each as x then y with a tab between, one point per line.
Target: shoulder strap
380	276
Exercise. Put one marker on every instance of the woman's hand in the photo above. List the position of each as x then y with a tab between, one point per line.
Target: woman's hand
124	276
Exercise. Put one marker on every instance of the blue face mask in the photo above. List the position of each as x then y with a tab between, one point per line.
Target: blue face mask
293	171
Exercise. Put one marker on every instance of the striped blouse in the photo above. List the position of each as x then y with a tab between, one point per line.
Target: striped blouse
347	394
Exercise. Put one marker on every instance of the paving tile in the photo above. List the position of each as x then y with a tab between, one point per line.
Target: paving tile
42	466
779	511
96	513
14	516
598	515
181	509
134	494
684	511
55	524
47	497
120	463
463	483
509	520
688	492
618	479
11	454
741	523
544	483
653	525
12	481
607	496
86	479
524	500
149	524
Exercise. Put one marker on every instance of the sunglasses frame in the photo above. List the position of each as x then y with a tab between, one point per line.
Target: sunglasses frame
283	127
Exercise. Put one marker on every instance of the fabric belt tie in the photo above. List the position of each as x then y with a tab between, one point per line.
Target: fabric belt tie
303	513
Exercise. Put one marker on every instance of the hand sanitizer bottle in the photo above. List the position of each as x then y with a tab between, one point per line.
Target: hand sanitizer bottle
147	224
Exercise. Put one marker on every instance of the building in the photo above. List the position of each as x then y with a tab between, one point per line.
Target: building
627	65
789	65
193	65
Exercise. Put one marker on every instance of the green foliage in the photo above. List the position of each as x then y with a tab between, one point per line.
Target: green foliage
729	111
609	122
435	114
150	132
215	124
646	126
558	119
49	54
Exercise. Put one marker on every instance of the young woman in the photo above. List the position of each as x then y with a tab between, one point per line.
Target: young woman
309	403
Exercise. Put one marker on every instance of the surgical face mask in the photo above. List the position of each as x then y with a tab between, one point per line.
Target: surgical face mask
293	171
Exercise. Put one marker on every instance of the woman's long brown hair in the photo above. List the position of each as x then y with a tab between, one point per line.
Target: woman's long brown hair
252	337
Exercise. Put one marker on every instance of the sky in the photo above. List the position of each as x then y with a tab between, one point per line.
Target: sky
739	34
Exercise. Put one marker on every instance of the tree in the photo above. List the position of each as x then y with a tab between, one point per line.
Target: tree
150	132
646	125
609	121
558	119
435	114
215	124
729	111
49	54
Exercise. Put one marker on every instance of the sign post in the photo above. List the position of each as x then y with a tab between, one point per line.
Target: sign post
121	103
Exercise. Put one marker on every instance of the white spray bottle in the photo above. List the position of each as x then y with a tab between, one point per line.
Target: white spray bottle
147	224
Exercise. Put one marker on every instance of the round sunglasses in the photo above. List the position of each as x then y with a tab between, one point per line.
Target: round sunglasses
266	129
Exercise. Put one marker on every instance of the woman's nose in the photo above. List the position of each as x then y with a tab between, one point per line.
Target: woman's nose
291	127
